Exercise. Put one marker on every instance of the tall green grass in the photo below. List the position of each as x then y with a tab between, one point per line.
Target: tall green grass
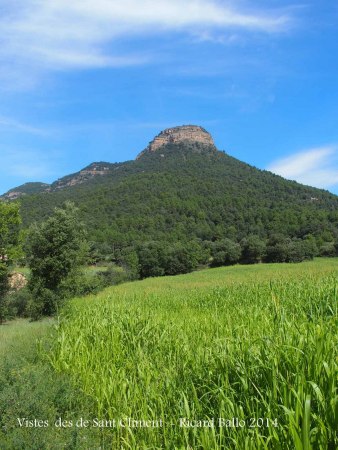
29	388
245	342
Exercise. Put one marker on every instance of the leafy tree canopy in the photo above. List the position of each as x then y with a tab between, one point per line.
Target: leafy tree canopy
56	249
9	247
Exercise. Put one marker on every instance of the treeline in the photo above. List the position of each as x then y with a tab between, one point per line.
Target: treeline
154	258
192	193
168	213
57	250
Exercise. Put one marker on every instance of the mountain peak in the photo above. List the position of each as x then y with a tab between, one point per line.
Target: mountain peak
25	189
183	133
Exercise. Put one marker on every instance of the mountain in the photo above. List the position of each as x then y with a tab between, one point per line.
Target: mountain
179	135
25	189
84	175
181	188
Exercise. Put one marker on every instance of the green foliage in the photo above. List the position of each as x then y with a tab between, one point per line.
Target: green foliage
9	248
283	249
296	251
18	302
157	258
327	249
56	249
310	247
244	342
3	291
225	252
3	279
151	256
253	249
181	258
10	221
277	249
191	193
29	388
113	275
129	260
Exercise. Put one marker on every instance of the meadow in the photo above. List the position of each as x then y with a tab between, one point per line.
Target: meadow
30	389
243	357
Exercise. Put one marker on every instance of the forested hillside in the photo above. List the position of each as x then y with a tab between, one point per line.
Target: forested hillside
191	192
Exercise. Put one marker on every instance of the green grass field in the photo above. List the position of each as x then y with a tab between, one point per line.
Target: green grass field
31	389
231	358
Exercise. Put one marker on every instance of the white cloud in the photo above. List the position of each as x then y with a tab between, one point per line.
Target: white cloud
64	34
315	167
218	38
7	123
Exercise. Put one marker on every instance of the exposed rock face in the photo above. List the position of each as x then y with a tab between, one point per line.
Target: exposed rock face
13	195
84	175
89	172
24	189
184	133
17	281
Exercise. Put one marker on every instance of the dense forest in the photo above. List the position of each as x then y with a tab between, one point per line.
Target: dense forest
191	199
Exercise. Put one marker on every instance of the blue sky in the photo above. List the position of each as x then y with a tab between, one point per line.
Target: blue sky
96	80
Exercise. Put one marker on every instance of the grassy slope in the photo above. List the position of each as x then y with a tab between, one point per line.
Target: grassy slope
245	341
29	388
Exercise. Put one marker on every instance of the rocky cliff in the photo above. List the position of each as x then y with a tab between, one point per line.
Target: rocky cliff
184	133
94	169
25	189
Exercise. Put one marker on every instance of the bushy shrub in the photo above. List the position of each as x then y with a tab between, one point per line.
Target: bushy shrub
18	302
225	252
157	259
113	275
327	249
80	283
283	249
253	249
180	258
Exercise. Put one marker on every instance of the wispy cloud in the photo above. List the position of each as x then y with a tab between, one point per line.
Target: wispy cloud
63	34
315	167
218	38
7	123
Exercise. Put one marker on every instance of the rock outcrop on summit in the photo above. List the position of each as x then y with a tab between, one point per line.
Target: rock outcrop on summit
184	133
175	135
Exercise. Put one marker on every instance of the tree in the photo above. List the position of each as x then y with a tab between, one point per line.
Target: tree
283	249
309	247
151	256
56	249
182	258
253	249
277	249
225	253
128	259
336	247
3	291
9	247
